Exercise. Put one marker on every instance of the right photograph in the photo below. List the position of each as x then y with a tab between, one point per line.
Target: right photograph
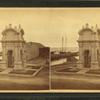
75	51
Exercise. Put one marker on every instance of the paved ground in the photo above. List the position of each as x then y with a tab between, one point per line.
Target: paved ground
73	81
40	81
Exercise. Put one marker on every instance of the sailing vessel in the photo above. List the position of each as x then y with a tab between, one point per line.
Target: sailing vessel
64	47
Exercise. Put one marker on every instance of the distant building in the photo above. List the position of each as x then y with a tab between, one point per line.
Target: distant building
89	47
44	52
31	50
16	52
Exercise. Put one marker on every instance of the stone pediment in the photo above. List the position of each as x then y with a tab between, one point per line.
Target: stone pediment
89	34
13	34
86	30
10	30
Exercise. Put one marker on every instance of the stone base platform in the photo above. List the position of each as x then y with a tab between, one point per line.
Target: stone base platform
26	72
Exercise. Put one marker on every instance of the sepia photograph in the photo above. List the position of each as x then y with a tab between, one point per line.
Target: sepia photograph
75	54
49	49
24	50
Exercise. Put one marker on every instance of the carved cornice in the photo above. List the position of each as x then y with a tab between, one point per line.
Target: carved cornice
88	41
12	41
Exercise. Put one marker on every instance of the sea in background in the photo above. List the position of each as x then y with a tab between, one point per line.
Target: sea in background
57	62
68	49
63	60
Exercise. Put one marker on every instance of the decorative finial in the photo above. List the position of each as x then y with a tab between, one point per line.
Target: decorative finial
92	27
96	26
10	25
87	25
19	26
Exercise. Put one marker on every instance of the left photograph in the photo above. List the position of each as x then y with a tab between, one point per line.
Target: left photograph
24	50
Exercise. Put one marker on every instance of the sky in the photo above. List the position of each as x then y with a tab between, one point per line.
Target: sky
48	25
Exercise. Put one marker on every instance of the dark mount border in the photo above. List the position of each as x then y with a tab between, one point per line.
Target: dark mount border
50	96
49	3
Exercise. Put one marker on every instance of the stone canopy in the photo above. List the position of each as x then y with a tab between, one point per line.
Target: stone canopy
89	47
12	34
89	33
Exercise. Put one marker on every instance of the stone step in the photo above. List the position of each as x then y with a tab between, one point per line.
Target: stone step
6	71
83	71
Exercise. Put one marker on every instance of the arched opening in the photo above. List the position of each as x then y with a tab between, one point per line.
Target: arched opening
21	57
87	59
98	57
10	59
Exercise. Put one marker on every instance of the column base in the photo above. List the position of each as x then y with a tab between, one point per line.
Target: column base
3	65
79	65
18	65
95	65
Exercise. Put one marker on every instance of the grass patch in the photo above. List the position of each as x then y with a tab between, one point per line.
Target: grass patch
69	70
23	72
93	71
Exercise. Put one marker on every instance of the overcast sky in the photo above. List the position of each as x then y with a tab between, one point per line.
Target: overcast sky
48	25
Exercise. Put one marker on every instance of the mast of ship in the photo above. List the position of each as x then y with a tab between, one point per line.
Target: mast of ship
62	43
65	44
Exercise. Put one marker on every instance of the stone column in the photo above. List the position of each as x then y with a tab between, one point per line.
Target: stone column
80	62
18	62
94	60
3	63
